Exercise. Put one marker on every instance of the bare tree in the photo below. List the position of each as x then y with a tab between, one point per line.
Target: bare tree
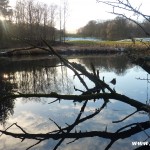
35	20
39	9
60	23
63	8
52	16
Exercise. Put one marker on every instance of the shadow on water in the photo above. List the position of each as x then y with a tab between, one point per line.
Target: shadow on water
96	123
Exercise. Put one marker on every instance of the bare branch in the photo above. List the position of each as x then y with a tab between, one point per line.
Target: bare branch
73	141
125	117
21	128
54	101
34	144
109	135
60	129
134	103
8	128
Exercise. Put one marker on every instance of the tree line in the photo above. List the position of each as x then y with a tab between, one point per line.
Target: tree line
32	20
116	29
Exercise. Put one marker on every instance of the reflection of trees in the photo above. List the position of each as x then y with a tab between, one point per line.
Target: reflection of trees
101	91
116	63
6	106
42	80
6	109
42	76
31	77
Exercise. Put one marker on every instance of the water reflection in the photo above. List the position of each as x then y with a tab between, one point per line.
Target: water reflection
110	63
82	119
6	106
37	76
43	75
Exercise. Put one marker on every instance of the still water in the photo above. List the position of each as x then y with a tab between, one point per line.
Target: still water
46	75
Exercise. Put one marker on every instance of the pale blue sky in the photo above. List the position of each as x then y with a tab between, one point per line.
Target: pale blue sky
82	11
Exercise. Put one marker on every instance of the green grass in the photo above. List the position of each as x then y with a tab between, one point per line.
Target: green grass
83	42
100	43
107	43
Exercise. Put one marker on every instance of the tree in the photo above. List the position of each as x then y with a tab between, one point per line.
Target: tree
63	8
51	23
117	29
5	15
4	8
123	7
90	29
35	20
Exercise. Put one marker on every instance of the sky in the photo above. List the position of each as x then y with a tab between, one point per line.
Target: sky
80	12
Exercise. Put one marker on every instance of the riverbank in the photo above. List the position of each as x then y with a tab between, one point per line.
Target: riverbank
71	50
79	47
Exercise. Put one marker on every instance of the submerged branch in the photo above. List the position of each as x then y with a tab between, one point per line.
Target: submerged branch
107	135
125	117
134	103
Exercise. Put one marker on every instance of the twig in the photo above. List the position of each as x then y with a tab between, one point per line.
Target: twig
21	128
60	129
144	130
54	101
125	117
73	141
130	125
8	128
142	79
34	144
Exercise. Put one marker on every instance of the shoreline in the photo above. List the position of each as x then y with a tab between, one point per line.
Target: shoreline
63	50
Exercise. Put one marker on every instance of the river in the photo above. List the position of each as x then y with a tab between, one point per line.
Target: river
45	74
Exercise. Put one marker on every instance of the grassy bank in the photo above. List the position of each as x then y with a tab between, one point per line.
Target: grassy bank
87	47
115	44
